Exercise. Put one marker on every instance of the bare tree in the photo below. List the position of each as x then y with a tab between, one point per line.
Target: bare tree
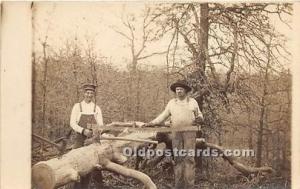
138	39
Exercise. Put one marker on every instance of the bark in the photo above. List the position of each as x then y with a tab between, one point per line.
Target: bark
204	26
79	162
202	58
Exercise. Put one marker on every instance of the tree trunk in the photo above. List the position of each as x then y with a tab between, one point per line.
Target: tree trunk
128	101
138	101
75	72
132	90
262	112
267	137
260	133
276	149
250	137
34	120
203	41
201	58
44	103
278	146
284	149
33	68
81	161
134	94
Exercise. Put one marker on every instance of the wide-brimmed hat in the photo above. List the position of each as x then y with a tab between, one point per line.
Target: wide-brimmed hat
89	86
180	83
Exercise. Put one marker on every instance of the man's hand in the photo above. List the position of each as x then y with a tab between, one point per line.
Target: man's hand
96	134
197	121
88	133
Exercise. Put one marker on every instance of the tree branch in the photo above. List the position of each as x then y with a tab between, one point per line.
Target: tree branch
152	54
145	179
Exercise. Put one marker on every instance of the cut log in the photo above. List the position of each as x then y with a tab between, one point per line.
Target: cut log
79	162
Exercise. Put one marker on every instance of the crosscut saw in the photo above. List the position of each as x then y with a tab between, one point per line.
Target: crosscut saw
136	127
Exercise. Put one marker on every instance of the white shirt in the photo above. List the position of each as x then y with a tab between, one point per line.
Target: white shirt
87	109
182	112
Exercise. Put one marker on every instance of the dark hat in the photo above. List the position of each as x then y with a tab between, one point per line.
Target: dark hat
180	83
89	86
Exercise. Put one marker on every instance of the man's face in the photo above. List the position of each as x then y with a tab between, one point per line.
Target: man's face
89	95
180	92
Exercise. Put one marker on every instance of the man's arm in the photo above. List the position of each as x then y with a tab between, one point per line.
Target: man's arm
73	121
198	113
163	116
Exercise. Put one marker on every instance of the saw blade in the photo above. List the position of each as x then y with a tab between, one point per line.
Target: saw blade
150	129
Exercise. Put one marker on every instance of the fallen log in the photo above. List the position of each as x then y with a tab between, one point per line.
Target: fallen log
244	169
79	162
202	144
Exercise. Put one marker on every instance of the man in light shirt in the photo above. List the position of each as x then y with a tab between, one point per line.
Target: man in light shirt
86	118
184	111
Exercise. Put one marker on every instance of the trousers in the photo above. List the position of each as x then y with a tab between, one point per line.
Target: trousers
184	169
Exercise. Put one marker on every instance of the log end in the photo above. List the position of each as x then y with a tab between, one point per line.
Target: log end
43	176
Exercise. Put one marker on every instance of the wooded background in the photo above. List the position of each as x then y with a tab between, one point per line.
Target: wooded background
231	54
